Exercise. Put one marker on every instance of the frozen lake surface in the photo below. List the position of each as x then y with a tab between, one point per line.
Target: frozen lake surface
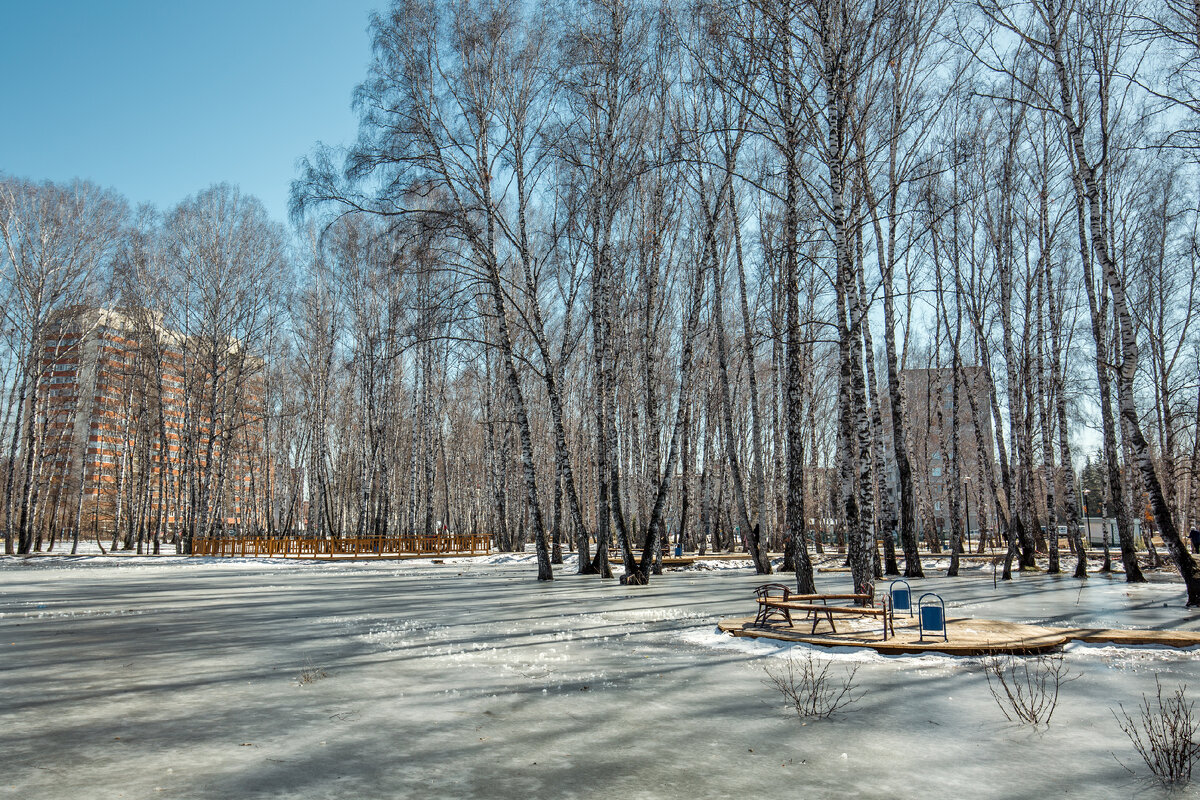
166	677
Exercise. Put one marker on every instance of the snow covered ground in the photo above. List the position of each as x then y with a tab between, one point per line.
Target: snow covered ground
169	677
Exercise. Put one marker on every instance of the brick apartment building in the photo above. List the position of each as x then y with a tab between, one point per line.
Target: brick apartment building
124	438
928	402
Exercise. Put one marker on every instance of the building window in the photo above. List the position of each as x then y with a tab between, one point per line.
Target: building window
937	472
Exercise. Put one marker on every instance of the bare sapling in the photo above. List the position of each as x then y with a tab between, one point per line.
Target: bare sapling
1164	733
311	673
812	688
1026	688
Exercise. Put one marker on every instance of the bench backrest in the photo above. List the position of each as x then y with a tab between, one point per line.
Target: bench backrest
868	589
776	590
932	613
901	596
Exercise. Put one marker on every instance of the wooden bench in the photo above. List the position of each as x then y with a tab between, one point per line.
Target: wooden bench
817	606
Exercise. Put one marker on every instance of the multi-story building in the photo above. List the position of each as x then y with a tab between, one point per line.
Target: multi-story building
129	429
930	415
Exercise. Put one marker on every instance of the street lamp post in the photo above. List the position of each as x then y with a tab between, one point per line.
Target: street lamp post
967	498
1087	510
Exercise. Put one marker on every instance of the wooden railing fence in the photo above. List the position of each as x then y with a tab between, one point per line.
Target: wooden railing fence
379	547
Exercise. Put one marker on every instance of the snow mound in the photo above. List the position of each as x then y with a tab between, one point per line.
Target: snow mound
705	565
1132	657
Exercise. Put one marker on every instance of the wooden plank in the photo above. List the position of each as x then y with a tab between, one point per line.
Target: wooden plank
1180	639
819	607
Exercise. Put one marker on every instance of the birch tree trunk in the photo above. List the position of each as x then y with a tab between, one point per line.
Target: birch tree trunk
762	564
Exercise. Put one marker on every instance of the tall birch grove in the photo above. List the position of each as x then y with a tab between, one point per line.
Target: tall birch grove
612	277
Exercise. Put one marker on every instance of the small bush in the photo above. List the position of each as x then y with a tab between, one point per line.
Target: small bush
311	674
810	686
1163	732
1026	687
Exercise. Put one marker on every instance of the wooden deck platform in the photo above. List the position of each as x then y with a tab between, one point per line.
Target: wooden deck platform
968	637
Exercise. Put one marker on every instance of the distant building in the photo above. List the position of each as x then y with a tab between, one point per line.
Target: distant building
123	434
929	415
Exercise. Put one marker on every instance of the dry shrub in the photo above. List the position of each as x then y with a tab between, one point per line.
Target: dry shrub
811	687
311	674
1163	731
1026	687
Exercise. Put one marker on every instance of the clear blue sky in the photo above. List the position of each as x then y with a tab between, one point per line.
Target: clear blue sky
159	99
